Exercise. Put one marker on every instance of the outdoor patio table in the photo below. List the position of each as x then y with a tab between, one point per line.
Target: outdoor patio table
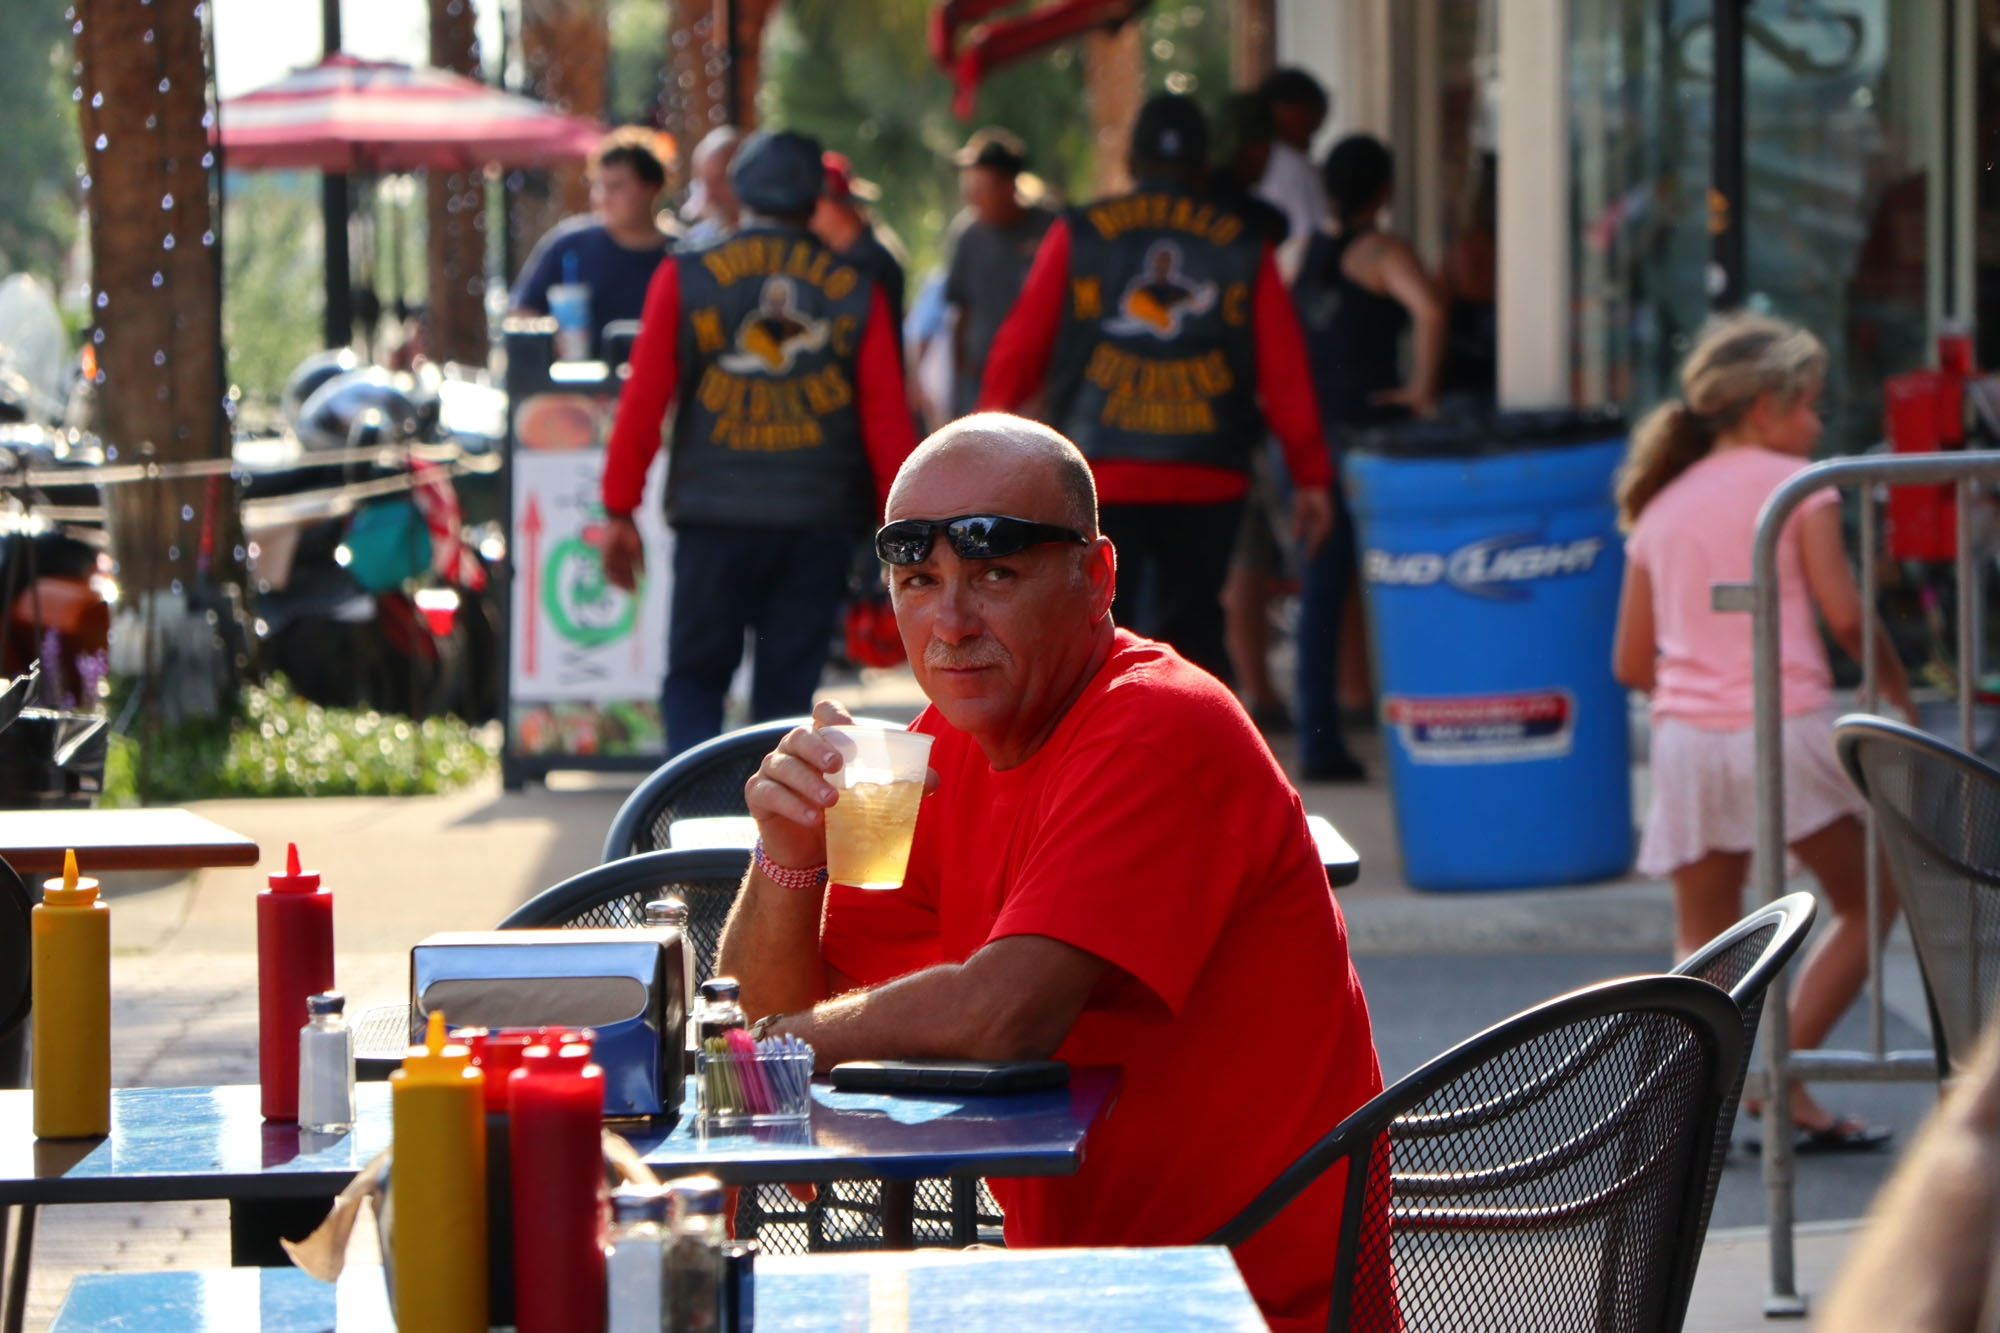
211	1143
933	1291
33	841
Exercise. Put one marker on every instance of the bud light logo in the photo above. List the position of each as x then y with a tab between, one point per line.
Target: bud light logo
1495	568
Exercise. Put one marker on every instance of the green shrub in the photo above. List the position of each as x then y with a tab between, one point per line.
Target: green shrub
280	745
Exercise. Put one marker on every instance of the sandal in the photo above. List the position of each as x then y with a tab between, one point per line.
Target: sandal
1845	1134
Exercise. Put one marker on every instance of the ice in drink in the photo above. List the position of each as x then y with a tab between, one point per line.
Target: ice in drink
881	782
868	833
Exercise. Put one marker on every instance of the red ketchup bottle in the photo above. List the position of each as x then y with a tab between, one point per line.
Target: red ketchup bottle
294	960
556	1106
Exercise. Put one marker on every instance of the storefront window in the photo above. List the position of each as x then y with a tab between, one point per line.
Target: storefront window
1846	103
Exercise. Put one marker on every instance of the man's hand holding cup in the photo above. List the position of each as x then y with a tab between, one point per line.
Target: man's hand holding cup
793	789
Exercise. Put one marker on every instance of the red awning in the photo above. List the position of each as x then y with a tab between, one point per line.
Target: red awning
366	116
991	43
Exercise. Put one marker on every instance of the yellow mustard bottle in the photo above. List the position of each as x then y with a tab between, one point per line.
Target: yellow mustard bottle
437	1184
71	931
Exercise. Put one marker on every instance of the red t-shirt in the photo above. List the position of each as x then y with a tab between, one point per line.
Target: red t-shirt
1155	830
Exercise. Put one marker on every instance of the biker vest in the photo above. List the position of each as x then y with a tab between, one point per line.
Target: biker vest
767	433
1156	359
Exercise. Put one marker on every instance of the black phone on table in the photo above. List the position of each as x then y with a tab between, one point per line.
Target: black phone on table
949	1075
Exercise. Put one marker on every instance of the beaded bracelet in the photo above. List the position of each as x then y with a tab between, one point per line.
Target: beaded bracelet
785	877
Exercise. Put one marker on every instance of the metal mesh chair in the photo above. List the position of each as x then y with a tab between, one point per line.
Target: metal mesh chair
848	1214
700	783
1744	960
615	894
705	782
1547	1173
1938	810
16	994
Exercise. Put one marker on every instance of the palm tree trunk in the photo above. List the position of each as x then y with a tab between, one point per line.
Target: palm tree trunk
696	56
455	239
1115	71
565	50
157	278
1255	50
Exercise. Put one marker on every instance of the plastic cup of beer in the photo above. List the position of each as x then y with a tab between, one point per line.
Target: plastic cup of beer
881	784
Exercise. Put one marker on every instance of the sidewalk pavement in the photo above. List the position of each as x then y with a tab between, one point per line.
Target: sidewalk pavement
184	967
1730	1284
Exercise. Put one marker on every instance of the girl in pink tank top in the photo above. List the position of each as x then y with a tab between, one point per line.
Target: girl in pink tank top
1699	471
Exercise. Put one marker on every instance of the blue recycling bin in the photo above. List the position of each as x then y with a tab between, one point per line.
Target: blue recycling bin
1492	561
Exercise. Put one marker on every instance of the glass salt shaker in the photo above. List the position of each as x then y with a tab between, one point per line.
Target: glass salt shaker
635	1261
672	914
326	1066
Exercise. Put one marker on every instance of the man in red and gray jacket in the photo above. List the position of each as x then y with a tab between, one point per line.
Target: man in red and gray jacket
789	426
1157	326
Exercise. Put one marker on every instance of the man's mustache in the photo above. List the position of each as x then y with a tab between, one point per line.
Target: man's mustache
969	656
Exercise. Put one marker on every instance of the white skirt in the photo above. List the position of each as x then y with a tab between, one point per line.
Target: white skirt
1705	793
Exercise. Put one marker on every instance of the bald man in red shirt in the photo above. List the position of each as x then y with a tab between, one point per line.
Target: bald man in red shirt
1110	870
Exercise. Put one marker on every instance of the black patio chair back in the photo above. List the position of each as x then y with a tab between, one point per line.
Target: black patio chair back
16	991
697	784
1744	960
1547	1173
1938	810
17	1223
616	893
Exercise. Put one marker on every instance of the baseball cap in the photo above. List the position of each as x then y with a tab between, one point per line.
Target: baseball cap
996	148
1171	128
842	183
778	173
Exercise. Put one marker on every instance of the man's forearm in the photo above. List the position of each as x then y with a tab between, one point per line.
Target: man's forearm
770	944
925	1014
1013	1000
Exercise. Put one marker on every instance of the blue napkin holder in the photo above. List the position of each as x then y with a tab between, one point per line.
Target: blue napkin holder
625	985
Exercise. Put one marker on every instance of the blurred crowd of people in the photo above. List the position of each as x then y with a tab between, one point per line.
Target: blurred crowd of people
1212	340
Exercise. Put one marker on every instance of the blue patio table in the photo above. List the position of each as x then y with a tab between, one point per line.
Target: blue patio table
1196	1290
211	1143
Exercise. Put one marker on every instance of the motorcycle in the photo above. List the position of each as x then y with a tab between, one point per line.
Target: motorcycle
369	590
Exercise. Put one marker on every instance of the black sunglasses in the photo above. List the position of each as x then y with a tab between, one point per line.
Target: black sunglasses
908	541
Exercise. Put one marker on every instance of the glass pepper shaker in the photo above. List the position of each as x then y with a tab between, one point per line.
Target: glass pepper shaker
696	1255
721	1008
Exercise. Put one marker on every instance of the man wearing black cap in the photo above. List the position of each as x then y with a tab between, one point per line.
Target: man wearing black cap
991	253
790	429
1157	326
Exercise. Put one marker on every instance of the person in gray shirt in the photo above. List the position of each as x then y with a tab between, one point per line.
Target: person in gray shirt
990	256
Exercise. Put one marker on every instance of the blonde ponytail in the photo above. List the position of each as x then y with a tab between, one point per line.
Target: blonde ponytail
1739	359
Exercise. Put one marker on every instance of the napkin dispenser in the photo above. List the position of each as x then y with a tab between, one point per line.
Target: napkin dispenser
626	985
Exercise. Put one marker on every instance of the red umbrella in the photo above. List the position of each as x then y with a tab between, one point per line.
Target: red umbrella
369	116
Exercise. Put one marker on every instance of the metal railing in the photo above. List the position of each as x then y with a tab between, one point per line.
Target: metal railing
1759	597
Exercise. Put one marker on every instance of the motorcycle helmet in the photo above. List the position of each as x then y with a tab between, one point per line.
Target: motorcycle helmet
364	406
312	372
